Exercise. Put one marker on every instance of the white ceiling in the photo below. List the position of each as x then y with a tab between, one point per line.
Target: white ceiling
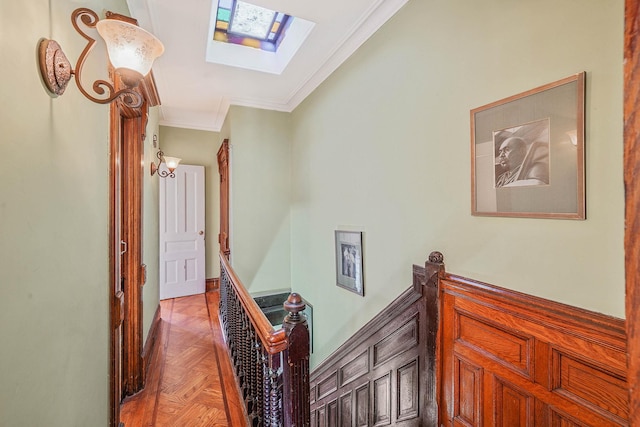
197	94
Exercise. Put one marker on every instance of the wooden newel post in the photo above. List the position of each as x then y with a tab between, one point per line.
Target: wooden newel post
296	365
434	269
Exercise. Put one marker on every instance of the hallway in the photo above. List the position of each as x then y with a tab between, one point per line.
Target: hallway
190	380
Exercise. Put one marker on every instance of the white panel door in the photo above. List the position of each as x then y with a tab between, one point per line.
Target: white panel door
182	251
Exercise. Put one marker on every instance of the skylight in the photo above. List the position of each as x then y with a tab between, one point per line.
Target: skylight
245	24
249	36
252	21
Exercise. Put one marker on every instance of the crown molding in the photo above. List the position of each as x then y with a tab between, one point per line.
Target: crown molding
370	21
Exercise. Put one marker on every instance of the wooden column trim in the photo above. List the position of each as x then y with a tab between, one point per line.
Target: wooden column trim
116	296
223	170
132	187
632	200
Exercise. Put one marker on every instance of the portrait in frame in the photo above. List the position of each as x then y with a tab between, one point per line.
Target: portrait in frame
527	153
349	261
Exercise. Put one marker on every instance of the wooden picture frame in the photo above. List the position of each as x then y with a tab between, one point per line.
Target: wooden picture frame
527	153
349	261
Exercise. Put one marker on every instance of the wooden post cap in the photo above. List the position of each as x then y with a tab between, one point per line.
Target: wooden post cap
436	257
294	304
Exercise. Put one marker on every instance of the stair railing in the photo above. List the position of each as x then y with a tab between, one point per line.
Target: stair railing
271	366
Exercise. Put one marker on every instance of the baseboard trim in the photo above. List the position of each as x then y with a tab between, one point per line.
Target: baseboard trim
212	284
150	343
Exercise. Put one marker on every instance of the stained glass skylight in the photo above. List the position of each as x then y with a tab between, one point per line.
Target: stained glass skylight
245	24
236	24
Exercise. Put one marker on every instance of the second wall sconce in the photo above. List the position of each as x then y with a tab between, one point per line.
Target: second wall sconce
170	162
131	51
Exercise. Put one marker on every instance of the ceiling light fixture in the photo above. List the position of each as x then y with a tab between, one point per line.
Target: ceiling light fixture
131	51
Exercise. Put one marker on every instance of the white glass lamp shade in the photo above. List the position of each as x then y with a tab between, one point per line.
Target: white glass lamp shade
171	162
131	49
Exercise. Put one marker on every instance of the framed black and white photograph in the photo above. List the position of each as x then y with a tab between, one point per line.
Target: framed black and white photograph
527	153
349	271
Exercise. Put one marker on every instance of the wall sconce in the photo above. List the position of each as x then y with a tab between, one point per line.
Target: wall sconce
131	51
171	163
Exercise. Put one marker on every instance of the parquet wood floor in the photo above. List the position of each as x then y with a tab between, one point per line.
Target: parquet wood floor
190	381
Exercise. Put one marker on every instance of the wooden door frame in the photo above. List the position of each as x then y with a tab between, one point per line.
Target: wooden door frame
632	201
116	298
223	170
126	310
131	232
127	130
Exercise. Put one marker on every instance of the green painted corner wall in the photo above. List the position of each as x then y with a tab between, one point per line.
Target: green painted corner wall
150	227
198	147
260	227
383	146
53	228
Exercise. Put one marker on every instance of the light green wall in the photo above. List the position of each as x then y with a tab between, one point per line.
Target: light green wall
260	154
54	330
197	147
150	244
383	146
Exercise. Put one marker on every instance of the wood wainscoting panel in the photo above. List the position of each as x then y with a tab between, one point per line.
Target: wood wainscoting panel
362	406
382	400
468	389
514	407
345	415
355	368
593	387
384	374
327	385
511	359
403	339
322	416
332	413
488	338
559	419
408	391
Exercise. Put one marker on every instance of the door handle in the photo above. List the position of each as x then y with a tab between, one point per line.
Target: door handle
201	232
125	246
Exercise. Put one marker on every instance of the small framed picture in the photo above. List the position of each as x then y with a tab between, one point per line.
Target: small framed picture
527	153
349	271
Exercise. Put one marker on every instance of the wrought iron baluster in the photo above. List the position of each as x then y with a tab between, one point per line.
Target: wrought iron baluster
271	367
